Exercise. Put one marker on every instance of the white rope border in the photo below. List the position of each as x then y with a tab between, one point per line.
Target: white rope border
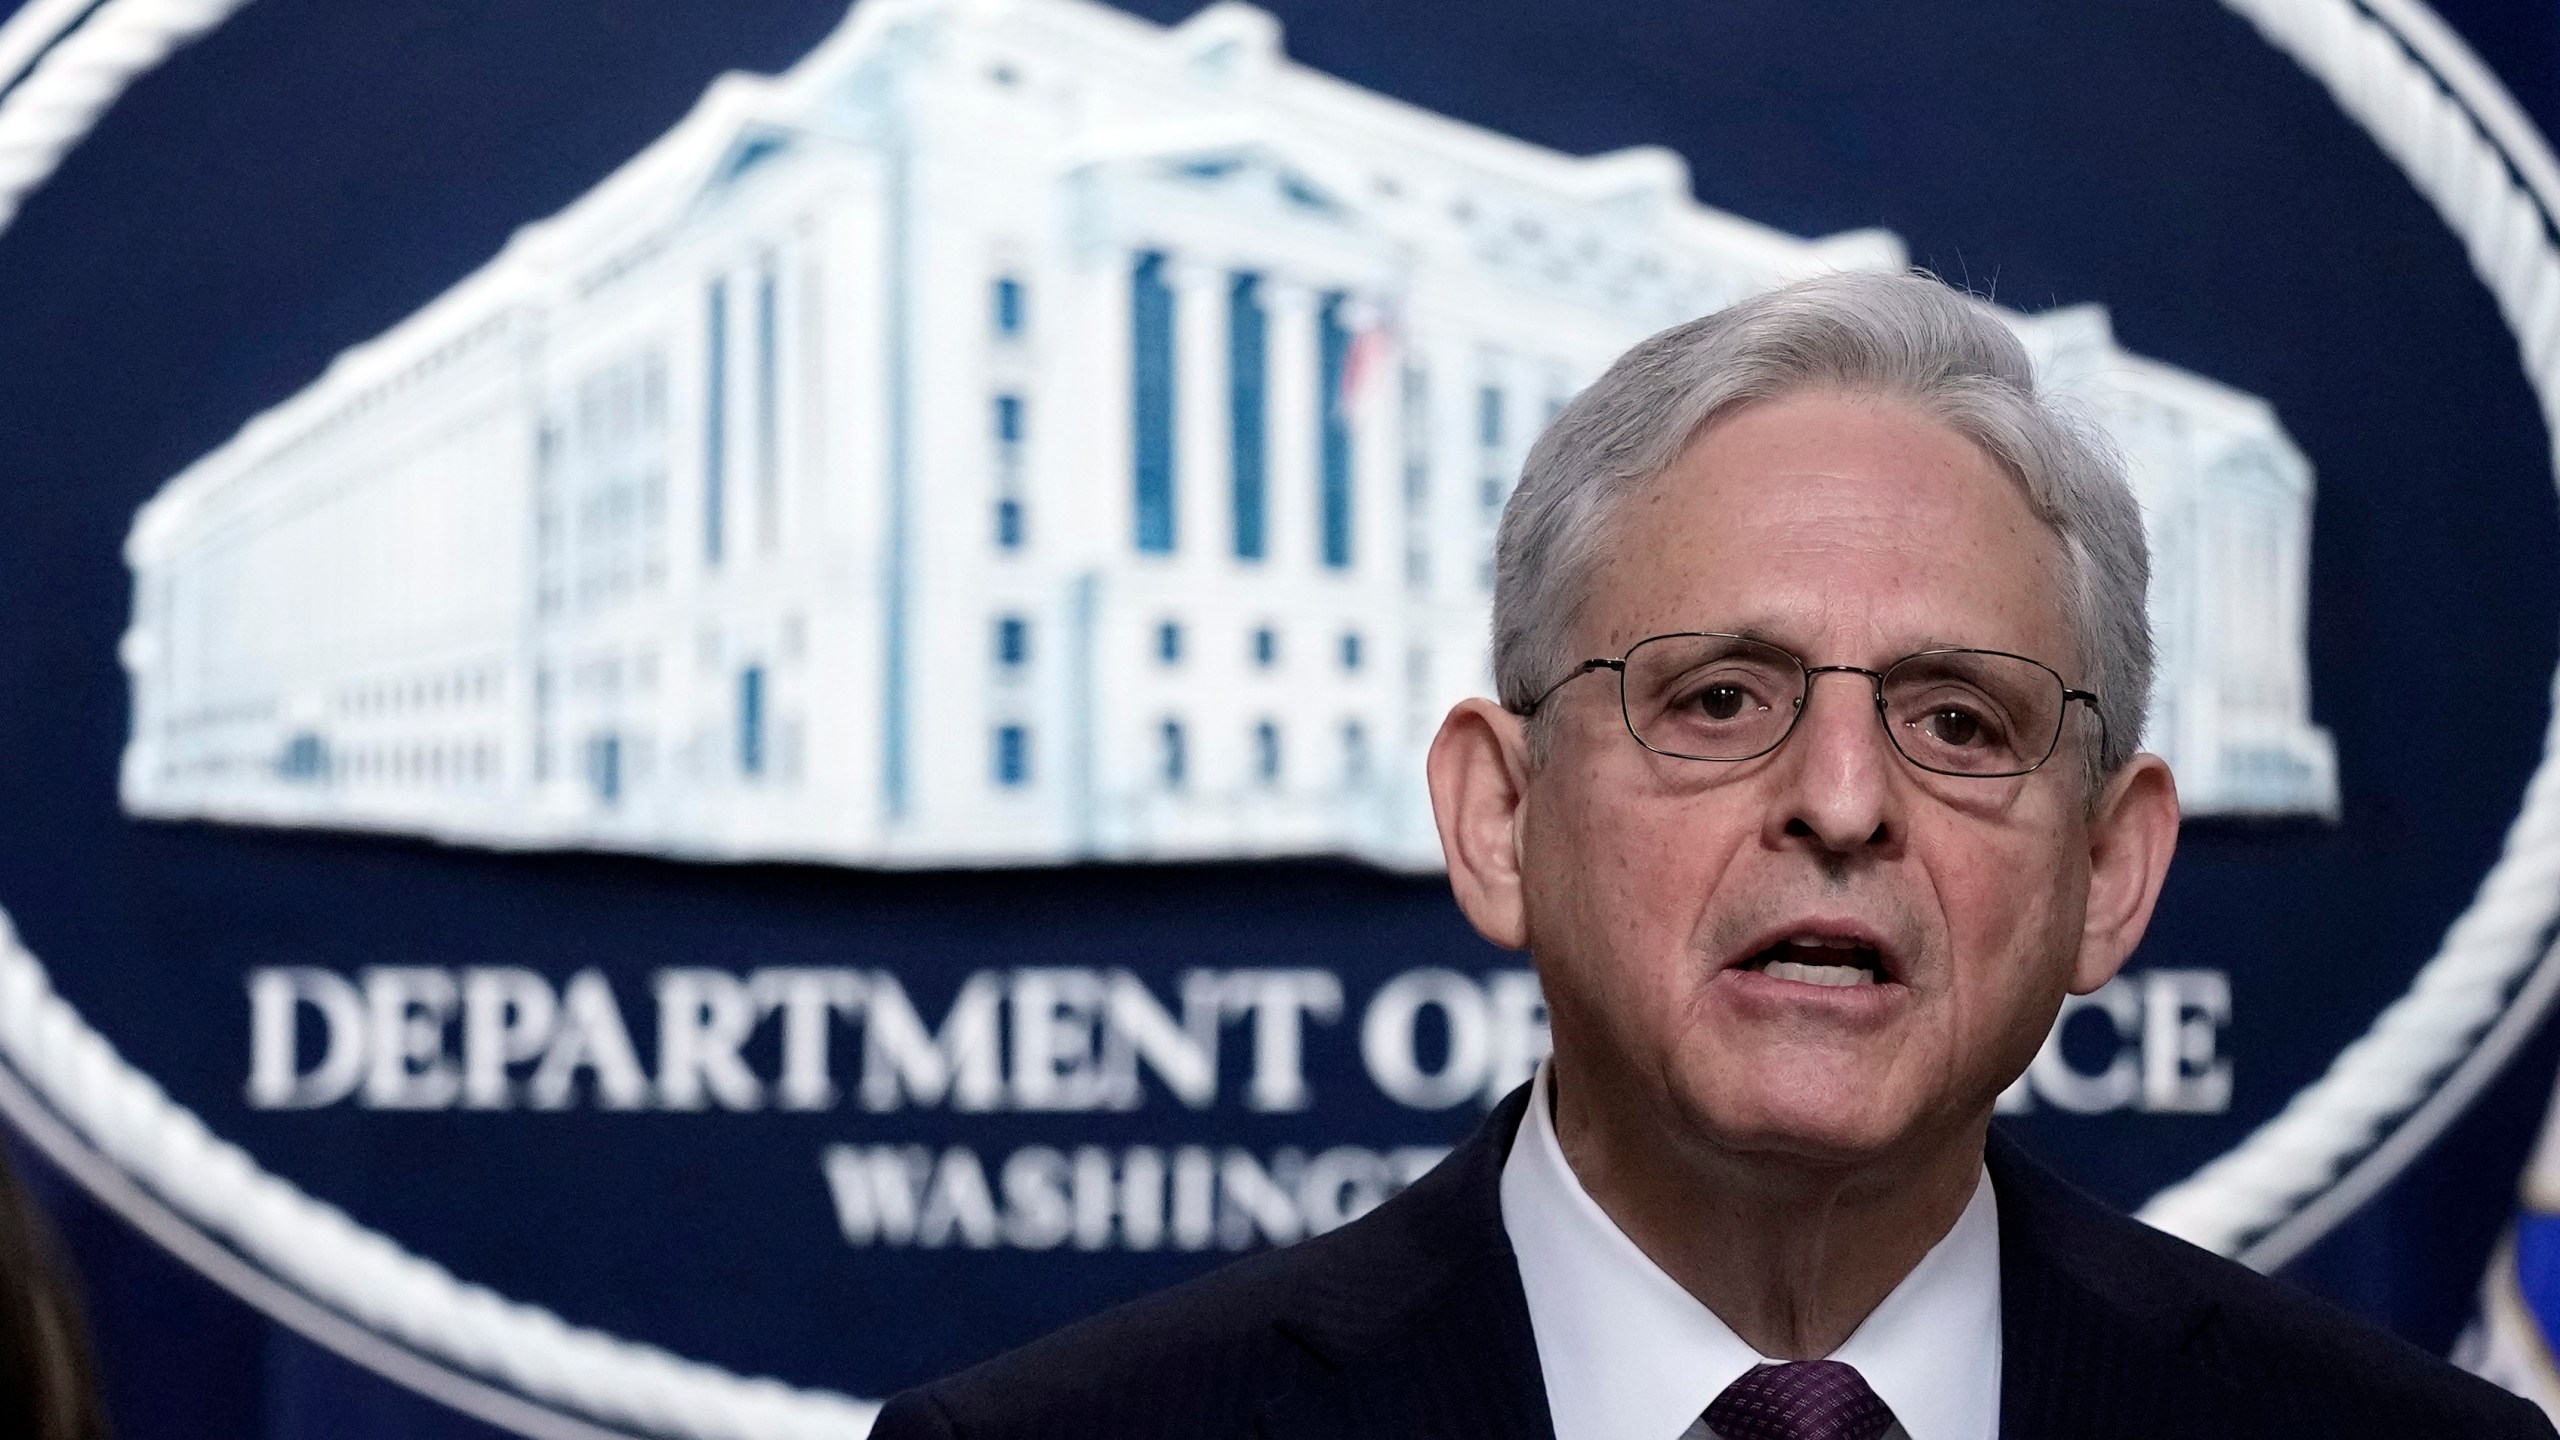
2277	1192
2271	1188
321	1252
30	30
62	98
30	1117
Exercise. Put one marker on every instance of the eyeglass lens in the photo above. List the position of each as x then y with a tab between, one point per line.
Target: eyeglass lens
1959	712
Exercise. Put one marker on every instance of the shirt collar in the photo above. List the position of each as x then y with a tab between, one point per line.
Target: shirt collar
1628	1354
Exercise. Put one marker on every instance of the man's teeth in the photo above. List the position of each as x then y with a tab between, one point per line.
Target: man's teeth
1818	974
1817	962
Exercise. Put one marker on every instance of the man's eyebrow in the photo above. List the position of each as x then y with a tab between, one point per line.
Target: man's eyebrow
1769	631
1763	630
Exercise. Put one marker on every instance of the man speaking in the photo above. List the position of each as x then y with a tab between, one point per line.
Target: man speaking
1813	789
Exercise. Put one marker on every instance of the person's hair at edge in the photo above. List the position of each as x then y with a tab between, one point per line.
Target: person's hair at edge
48	1381
1908	337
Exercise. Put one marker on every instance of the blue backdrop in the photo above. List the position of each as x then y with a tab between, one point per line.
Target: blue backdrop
311	173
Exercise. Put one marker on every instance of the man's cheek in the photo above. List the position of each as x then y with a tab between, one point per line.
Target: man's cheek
2003	901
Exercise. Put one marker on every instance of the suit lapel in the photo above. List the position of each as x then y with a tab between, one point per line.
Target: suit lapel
2089	1351
1458	1367
1424	1331
1424	1326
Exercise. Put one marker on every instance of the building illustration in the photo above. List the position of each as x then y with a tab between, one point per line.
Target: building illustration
1017	434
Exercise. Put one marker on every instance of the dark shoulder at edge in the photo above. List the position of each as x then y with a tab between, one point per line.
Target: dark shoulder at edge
1211	1338
2271	1337
1214	1349
1202	1357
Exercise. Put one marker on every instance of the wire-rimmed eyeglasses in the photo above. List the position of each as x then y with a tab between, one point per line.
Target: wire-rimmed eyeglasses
1702	695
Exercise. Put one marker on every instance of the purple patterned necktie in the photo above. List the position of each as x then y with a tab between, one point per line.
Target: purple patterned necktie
1806	1400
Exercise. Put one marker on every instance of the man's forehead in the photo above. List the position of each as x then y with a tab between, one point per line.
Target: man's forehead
1821	457
1802	517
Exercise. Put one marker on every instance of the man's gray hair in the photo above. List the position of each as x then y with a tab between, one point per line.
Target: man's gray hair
1906	336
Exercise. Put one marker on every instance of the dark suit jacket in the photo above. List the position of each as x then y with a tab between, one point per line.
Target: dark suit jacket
1411	1323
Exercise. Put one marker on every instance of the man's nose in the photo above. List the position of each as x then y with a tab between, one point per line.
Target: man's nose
1839	777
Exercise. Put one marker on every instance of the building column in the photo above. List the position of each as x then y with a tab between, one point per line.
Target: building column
1200	412
1296	415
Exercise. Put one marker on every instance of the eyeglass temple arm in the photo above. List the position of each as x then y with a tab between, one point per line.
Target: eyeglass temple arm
2089	697
1576	673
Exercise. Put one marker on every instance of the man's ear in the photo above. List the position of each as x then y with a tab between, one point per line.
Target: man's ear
1479	769
2131	838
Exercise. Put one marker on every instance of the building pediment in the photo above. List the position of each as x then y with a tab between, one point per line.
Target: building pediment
748	150
1264	170
1233	169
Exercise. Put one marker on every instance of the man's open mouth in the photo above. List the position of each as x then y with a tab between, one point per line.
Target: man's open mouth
1821	960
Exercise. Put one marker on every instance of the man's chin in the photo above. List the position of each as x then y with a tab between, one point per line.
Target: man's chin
1831	1124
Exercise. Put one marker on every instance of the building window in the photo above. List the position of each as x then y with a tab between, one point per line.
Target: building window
306	757
1013	641
751	720
1266	752
1355	752
550	531
1334	358
1011	303
1416	399
1013	756
1266	647
1417	475
1350	649
1011	422
715	424
768	410
1494	487
1169	642
1173	764
604	766
1491	487
1152	400
1247	348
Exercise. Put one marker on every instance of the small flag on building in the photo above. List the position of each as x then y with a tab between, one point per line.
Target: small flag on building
1371	348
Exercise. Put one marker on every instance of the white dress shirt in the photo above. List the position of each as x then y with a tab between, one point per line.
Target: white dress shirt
1629	1355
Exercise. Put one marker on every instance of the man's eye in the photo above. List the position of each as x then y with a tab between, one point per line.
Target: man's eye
1950	726
1722	702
